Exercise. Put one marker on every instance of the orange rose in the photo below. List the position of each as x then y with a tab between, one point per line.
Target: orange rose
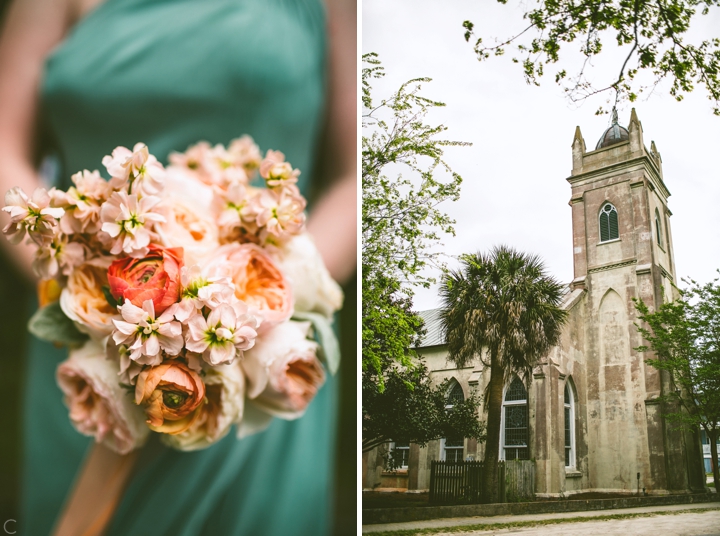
172	395
155	277
258	281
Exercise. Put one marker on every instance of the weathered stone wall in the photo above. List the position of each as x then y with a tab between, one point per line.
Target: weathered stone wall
619	428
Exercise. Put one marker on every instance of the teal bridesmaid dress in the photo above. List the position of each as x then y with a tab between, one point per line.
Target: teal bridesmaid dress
170	73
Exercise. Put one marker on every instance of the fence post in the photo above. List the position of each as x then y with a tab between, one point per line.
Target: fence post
432	481
502	497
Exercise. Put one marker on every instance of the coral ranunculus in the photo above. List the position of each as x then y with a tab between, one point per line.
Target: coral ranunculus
171	394
155	277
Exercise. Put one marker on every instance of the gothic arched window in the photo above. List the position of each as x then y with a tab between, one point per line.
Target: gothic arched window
608	223
454	395
514	436
569	427
451	448
658	229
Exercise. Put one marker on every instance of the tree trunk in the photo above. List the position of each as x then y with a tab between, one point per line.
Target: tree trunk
714	459
492	444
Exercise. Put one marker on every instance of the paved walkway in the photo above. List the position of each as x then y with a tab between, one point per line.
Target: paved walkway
688	524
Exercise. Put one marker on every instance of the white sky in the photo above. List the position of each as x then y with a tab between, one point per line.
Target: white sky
514	188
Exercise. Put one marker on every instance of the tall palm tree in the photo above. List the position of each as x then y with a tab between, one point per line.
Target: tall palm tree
505	303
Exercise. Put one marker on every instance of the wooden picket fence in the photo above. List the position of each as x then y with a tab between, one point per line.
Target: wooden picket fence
461	482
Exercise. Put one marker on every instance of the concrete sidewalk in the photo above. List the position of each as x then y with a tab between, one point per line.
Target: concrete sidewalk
463	521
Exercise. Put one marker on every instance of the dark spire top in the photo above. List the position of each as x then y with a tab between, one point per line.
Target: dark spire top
613	135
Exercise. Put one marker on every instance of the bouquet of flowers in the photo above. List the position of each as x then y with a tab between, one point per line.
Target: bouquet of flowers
190	299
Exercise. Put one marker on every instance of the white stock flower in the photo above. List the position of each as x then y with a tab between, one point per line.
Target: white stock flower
280	213
34	215
224	335
82	202
128	223
138	168
147	336
58	256
199	291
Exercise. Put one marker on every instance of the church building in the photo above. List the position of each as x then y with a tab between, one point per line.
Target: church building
589	417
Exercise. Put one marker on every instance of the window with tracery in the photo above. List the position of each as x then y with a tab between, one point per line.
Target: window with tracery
569	427
514	439
609	229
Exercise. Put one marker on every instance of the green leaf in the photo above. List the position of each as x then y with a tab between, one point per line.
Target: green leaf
325	335
51	324
110	298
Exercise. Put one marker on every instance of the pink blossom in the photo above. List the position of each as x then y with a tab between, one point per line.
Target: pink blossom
280	213
82	202
137	169
224	335
245	153
58	256
146	335
276	171
199	291
34	215
235	213
128	223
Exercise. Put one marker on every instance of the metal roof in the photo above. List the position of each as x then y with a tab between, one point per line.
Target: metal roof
433	327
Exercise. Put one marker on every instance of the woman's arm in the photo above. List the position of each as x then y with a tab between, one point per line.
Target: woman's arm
30	31
333	222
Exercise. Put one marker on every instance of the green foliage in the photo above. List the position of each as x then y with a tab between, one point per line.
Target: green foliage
503	302
685	337
400	224
504	308
400	218
654	35
51	324
410	409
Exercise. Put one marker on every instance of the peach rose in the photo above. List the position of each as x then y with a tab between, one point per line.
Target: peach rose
282	371
84	302
154	277
224	395
257	279
189	228
314	289
171	394
99	407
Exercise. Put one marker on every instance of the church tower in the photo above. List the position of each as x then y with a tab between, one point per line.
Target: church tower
623	250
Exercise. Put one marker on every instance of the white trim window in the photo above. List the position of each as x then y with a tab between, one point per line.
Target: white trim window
608	220
401	453
514	423
569	407
451	448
